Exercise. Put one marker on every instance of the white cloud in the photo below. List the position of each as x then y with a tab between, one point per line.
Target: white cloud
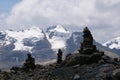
101	15
47	12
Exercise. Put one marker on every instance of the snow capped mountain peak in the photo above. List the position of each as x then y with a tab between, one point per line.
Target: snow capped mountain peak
57	28
114	43
57	36
34	33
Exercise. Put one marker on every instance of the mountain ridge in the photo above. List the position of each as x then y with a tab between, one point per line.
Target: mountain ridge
113	44
42	44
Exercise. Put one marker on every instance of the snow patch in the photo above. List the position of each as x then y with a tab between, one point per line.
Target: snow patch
58	44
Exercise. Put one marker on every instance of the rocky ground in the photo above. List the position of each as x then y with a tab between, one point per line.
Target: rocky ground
96	66
95	71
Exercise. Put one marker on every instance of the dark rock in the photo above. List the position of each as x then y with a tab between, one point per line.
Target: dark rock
87	46
59	56
29	63
116	74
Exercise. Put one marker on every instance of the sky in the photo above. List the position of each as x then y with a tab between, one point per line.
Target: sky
6	5
101	16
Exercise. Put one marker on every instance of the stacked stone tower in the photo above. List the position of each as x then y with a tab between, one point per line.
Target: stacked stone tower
87	46
88	53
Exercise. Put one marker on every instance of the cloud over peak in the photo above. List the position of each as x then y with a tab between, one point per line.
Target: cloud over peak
101	14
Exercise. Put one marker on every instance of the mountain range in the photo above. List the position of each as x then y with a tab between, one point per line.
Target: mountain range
114	45
43	45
